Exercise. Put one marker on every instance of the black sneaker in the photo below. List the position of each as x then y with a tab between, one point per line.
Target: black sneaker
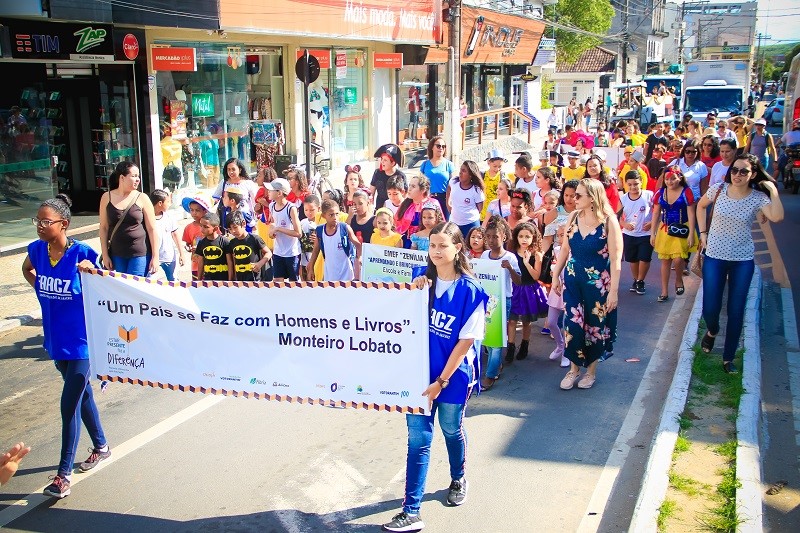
59	488
510	349
457	493
94	459
729	367
640	287
634	286
404	522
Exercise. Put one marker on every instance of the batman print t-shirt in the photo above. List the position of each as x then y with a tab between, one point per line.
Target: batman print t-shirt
215	260
247	251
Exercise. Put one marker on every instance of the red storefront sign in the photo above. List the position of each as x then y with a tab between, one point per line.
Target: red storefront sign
387	60
174	59
130	46
323	56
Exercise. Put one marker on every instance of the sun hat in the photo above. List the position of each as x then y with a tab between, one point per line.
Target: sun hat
200	200
496	153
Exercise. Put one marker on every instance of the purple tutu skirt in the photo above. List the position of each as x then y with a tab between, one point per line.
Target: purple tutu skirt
528	303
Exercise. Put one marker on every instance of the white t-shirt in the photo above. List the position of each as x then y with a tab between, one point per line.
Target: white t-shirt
165	226
694	175
514	264
729	134
464	204
285	246
391	207
638	212
337	264
529	185
495	208
718	173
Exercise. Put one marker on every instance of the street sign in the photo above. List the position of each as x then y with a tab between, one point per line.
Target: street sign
312	71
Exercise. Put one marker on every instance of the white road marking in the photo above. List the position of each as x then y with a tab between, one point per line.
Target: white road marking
33	500
630	426
16	396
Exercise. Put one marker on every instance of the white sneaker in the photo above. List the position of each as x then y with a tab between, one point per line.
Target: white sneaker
557	353
564	362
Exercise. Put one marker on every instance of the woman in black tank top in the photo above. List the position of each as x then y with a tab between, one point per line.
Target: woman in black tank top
128	236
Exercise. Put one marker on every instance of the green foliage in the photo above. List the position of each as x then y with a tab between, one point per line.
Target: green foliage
591	15
666	510
686	485
789	56
723	516
683	422
682	445
547	87
708	370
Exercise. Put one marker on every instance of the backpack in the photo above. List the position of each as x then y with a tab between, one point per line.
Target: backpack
347	246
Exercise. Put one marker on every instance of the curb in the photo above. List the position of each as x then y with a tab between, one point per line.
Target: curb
749	508
8	324
748	453
656	475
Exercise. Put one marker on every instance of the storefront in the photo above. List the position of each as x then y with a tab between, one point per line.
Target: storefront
68	112
420	95
234	92
496	50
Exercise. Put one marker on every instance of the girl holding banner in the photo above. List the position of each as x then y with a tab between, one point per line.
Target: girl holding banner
457	308
51	268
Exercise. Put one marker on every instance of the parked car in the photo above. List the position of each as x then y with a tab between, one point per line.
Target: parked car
773	114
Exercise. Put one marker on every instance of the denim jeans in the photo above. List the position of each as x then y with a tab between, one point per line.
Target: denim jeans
77	403
420	436
738	274
169	269
465	229
136	266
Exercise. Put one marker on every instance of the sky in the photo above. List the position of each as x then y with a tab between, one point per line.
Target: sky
779	19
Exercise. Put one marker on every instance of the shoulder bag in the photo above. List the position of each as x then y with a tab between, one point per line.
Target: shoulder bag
697	261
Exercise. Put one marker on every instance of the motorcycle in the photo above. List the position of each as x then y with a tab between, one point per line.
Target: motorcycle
791	171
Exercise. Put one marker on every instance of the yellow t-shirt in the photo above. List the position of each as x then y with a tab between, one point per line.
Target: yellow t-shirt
394	239
573	173
625	170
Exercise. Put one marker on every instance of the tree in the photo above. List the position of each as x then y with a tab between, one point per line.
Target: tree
788	63
591	15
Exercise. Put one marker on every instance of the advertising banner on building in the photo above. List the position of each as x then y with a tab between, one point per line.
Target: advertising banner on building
493	38
35	39
386	264
342	344
411	21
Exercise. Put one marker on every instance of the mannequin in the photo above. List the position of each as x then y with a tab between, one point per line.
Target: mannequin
171	151
414	107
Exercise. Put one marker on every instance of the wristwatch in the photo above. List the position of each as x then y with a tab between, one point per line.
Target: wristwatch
442	382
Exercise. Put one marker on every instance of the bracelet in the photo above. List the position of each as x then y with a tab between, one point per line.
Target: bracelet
703	232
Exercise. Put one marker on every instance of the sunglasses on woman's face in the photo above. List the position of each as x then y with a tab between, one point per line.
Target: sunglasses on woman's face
442	146
690	152
741	171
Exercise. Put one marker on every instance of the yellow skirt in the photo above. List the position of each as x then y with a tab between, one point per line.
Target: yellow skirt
669	247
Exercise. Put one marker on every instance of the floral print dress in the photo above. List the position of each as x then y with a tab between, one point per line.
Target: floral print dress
590	332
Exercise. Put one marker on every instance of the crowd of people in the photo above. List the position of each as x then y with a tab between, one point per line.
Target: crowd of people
558	229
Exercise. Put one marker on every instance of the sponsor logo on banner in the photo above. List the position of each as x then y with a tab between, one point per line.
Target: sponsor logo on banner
209	374
334	387
254	381
230	378
279	384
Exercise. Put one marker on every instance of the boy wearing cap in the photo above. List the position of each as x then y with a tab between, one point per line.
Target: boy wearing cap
574	171
390	157
197	207
233	200
285	229
635	164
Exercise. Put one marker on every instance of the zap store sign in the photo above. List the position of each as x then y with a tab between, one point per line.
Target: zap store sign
63	41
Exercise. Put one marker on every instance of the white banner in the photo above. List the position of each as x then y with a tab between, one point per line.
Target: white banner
345	344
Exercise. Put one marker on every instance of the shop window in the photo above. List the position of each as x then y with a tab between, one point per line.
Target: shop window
204	116
414	103
349	110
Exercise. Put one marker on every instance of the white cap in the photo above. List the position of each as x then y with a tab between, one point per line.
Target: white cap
601	154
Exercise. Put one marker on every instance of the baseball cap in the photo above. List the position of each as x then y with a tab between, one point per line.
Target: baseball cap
234	189
629	149
545	154
601	154
279	184
496	154
573	153
761	122
637	156
711	114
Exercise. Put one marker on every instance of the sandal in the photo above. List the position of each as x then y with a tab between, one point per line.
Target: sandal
707	344
680	290
487	383
662	298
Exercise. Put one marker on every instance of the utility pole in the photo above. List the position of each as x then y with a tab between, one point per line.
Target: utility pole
452	114
760	57
681	27
625	38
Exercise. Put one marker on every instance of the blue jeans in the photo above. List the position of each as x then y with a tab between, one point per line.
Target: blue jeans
77	397
169	269
135	266
738	274
420	436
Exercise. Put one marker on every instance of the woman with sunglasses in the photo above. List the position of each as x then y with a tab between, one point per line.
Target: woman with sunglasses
709	153
439	170
729	248
51	268
674	238
595	169
693	170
